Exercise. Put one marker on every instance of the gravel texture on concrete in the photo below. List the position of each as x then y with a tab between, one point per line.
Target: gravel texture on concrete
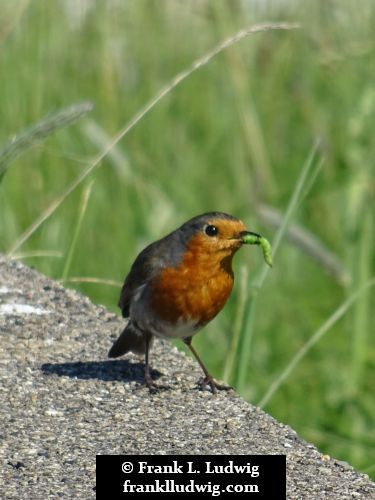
63	402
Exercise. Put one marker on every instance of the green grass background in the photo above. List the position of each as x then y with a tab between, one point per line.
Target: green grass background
233	136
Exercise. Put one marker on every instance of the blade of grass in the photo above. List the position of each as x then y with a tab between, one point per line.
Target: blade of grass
307	242
295	200
81	213
335	316
253	135
178	79
88	279
239	317
362	320
40	130
248	330
37	253
361	324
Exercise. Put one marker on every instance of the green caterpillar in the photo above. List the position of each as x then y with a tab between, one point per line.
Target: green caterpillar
257	239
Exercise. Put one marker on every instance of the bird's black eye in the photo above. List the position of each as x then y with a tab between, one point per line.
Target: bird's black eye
211	230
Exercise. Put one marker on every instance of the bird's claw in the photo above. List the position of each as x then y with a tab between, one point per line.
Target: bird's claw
213	384
153	387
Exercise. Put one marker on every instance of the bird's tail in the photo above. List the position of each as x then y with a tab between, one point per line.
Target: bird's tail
130	340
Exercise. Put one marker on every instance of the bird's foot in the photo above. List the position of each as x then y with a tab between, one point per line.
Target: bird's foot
213	384
153	387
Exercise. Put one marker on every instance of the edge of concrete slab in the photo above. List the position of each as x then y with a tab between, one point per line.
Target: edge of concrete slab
64	402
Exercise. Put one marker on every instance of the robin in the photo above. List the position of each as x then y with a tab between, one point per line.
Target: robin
179	283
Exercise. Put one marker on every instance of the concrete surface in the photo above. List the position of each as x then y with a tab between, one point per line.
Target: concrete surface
63	402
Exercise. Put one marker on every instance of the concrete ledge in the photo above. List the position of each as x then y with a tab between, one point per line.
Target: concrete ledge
63	402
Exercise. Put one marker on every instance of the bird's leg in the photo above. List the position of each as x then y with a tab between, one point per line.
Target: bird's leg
208	380
148	380
151	384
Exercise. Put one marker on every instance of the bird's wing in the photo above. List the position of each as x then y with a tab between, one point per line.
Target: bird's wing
148	263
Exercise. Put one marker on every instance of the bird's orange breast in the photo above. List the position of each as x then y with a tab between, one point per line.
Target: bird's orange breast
195	290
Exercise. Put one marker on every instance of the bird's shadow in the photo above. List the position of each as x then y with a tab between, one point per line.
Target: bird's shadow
109	371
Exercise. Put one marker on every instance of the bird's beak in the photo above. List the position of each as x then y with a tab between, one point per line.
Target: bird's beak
249	238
